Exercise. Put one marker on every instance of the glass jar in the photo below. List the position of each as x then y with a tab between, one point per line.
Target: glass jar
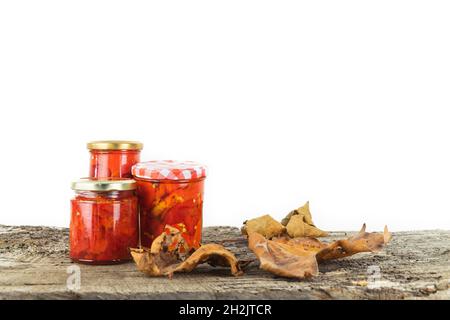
113	159
104	221
170	193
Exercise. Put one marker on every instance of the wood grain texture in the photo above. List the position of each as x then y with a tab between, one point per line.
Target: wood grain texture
415	265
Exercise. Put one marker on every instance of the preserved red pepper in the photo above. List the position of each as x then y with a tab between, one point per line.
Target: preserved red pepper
170	193
113	159
104	221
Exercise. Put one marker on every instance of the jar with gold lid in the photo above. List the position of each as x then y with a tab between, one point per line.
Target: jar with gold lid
113	158
104	221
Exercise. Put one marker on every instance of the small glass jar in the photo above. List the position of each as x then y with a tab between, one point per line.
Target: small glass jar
113	159
170	193
104	221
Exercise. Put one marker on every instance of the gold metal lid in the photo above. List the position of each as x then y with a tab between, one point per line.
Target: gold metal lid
87	184
115	145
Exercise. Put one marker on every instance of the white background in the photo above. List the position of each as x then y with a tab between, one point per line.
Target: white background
343	103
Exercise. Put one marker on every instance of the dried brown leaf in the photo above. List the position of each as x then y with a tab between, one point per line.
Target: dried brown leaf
281	258
298	257
302	211
169	253
297	227
299	223
153	265
214	254
361	242
264	225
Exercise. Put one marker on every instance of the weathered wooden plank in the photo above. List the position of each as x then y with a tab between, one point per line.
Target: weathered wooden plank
415	265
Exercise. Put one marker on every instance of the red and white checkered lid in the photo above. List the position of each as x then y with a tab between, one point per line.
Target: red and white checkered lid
169	170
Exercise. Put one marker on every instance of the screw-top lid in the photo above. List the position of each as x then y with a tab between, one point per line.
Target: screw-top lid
169	170
115	145
87	184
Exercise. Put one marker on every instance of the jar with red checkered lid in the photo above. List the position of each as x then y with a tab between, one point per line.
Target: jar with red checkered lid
170	193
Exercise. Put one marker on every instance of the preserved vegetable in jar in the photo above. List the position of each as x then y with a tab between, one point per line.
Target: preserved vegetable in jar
104	221
170	193
113	159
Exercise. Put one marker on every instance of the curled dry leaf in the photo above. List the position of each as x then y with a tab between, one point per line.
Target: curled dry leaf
169	253
214	254
283	259
297	227
298	257
154	265
264	225
302	211
361	242
299	223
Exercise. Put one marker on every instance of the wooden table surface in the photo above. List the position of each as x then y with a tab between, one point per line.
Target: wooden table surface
34	264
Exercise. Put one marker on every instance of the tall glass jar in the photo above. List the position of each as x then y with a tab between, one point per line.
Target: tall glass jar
170	193
113	158
104	221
